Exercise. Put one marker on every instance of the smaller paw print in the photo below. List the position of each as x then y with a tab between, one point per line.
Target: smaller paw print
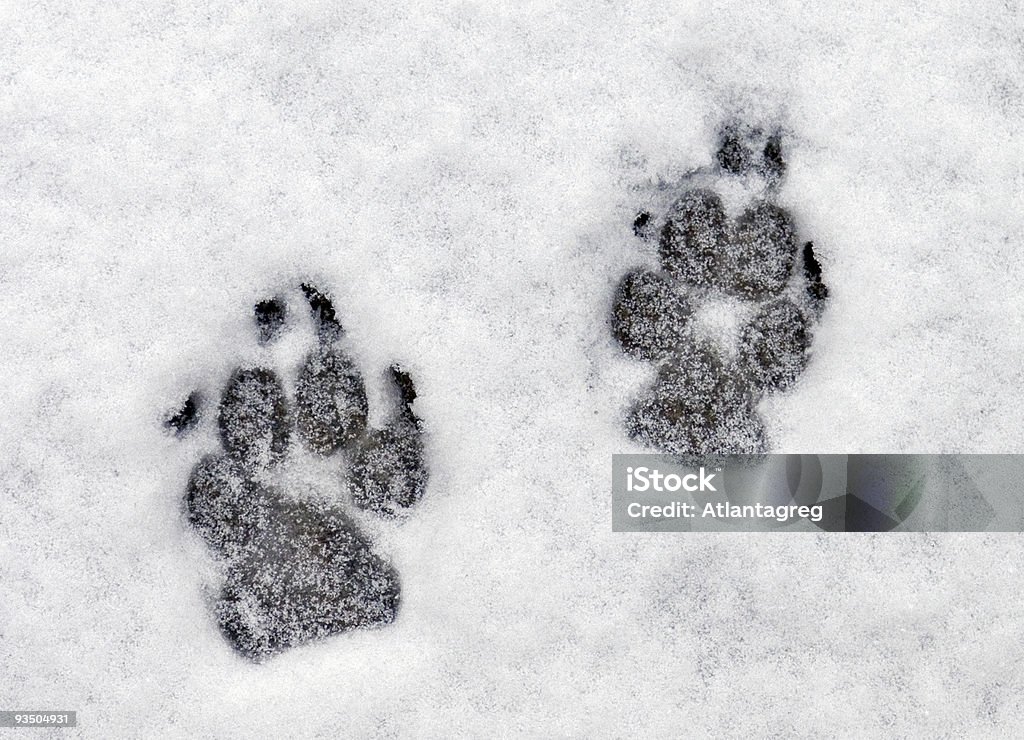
297	567
728	318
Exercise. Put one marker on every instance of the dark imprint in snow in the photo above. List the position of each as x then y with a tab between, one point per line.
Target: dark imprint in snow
703	403
297	571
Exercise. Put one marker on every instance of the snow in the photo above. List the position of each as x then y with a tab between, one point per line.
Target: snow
464	177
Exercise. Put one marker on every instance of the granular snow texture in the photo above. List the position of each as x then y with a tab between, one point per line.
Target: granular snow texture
465	176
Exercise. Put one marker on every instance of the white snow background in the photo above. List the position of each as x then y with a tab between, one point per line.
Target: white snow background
463	178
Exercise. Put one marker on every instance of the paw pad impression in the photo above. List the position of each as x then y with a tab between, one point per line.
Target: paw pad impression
300	568
742	260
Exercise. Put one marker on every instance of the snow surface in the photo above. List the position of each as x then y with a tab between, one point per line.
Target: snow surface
464	177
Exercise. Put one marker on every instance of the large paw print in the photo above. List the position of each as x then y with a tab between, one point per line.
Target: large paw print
297	567
743	270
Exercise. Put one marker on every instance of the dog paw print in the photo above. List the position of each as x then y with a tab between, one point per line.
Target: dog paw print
297	566
728	318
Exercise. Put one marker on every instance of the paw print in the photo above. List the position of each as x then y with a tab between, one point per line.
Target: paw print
298	567
737	267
